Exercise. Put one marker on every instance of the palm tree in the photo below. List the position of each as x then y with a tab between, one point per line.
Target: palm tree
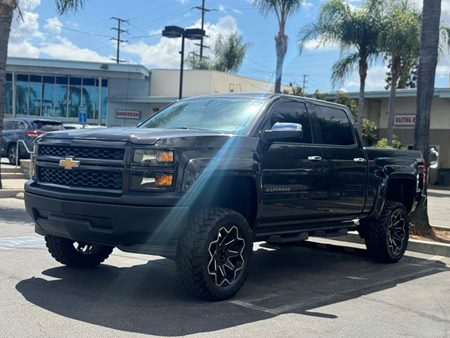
356	31
283	9
7	8
428	55
400	40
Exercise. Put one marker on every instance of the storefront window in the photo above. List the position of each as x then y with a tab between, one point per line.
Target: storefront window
48	97
74	96
90	98
8	94
22	94
35	95
104	98
61	92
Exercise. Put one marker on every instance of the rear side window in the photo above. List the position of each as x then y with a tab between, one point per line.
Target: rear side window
293	112
47	126
8	125
335	126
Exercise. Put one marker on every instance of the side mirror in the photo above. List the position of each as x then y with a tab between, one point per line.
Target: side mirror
283	131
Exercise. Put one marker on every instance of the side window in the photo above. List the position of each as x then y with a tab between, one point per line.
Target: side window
335	126
21	125
294	112
8	125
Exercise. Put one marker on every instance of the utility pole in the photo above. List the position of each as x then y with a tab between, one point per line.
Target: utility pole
204	10
305	81
118	38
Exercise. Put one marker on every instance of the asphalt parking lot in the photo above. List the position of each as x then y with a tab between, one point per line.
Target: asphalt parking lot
291	291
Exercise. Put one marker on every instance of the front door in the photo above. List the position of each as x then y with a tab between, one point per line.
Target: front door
293	185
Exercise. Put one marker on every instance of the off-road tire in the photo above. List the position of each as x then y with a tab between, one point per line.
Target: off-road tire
193	253
376	234
63	251
12	156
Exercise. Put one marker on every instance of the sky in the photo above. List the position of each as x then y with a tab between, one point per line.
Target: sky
86	36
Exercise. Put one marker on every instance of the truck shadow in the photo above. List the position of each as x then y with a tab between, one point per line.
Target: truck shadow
148	299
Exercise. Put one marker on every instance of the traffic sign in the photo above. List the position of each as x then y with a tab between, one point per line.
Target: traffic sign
82	115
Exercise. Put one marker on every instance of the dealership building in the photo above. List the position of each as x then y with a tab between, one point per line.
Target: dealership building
112	94
377	107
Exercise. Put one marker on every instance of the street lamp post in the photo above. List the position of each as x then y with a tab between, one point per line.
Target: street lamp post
175	32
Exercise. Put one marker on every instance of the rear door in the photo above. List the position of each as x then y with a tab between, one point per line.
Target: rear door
345	162
9	127
293	185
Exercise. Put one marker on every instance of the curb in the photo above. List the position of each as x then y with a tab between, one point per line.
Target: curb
20	196
10	193
439	249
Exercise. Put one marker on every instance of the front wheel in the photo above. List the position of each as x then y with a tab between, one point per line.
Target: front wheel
387	236
77	254
214	253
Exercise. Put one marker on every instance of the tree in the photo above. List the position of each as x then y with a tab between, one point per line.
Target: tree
7	8
408	75
282	9
229	52
400	40
356	31
196	62
428	54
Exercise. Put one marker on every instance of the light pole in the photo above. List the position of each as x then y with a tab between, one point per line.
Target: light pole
175	32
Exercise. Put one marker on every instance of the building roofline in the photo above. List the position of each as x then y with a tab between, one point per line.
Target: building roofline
380	94
81	65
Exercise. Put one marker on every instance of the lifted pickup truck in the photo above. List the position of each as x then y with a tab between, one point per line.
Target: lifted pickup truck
206	177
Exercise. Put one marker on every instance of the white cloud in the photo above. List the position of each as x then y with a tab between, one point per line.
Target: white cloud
63	48
317	44
23	49
29	4
53	25
164	53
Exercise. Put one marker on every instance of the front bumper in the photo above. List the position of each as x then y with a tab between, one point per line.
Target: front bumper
133	227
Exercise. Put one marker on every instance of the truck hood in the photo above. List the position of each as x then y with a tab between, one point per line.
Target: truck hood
139	135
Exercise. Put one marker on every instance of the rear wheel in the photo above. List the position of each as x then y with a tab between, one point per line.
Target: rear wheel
214	253
77	254
387	236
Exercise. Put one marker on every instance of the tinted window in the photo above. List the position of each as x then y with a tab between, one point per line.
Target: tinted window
21	125
47	126
335	126
8	125
293	112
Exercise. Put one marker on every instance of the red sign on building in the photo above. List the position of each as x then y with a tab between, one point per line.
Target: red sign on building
404	120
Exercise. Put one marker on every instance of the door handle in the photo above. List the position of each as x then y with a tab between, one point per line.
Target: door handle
314	158
359	159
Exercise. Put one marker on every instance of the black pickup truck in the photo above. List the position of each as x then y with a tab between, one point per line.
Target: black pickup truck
206	177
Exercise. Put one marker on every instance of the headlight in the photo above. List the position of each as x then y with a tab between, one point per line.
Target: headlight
153	157
151	181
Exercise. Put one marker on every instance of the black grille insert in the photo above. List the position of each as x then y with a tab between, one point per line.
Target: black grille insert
81	178
82	152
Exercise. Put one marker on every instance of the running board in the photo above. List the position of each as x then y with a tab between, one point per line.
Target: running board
336	233
303	236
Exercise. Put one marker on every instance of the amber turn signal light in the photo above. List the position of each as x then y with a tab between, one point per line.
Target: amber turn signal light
163	180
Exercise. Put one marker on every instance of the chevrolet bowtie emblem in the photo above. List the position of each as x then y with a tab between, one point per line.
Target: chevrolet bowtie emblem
69	163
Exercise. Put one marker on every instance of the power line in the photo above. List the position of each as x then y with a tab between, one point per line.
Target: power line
118	39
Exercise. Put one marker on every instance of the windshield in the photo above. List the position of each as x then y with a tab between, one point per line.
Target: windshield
225	115
47	126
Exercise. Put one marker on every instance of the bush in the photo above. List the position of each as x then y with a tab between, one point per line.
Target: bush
383	143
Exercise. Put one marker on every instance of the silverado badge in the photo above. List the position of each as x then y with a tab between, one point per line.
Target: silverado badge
69	163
